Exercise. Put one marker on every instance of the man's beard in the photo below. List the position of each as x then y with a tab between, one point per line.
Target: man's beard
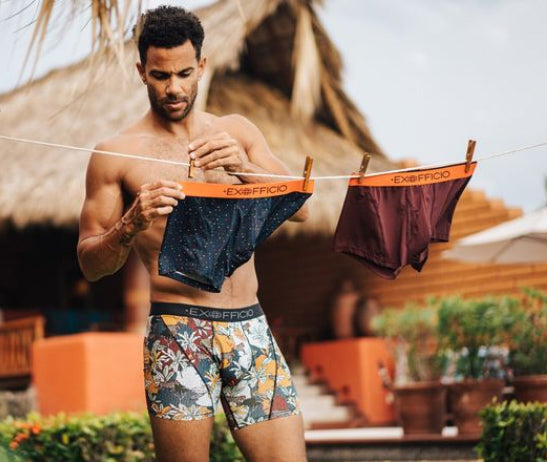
159	108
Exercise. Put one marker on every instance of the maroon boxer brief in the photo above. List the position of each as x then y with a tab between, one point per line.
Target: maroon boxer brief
388	220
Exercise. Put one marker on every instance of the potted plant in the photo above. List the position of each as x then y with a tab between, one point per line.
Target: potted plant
472	330
419	394
527	340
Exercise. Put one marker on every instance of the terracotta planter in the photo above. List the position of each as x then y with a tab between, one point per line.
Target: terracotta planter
530	388
420	407
467	398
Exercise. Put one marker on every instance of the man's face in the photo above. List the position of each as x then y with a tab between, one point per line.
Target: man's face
171	76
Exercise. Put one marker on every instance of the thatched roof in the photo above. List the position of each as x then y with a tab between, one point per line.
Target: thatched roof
301	109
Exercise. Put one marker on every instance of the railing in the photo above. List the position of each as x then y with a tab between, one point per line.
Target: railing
16	339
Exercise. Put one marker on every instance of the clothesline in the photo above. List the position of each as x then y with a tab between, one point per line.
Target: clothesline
423	167
268	175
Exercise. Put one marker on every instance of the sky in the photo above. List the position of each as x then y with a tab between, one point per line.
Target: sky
427	74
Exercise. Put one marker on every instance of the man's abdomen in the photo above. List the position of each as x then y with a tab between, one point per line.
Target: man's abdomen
239	290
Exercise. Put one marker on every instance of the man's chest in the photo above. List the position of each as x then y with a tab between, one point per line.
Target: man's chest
168	161
140	174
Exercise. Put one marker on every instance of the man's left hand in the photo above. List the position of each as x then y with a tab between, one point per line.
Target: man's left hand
218	150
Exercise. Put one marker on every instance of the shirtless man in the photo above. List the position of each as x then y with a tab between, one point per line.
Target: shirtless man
126	206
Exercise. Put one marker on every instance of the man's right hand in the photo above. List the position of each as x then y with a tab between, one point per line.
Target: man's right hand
153	200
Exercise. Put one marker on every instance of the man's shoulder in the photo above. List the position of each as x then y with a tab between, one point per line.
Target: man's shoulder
125	139
112	144
235	119
233	122
106	159
240	127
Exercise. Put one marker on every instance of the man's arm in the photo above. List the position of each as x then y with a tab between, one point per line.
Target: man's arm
106	233
224	151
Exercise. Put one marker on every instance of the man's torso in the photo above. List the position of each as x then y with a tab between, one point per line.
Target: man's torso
240	288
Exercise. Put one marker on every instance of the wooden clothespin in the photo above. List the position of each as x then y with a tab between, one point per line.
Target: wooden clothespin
469	155
364	166
191	169
307	172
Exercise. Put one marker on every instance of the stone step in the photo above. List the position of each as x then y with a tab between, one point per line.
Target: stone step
319	401
17	403
311	390
297	369
335	414
323	422
386	444
300	380
318	404
303	383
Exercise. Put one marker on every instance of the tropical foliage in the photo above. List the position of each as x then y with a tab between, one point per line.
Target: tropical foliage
473	329
480	338
413	332
110	21
527	335
114	437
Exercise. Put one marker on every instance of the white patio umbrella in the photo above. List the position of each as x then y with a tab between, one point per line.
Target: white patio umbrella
523	240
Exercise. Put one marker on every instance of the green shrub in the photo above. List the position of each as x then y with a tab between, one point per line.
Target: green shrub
114	437
527	337
223	447
413	330
514	432
471	328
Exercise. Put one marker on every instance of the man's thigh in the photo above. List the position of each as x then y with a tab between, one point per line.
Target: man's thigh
181	440
258	396
179	380
276	440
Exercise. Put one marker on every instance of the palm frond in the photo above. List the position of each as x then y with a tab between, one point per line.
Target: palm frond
110	22
306	93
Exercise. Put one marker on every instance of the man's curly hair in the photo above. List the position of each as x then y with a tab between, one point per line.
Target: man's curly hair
168	27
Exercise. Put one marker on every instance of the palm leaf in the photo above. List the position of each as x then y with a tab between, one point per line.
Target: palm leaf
110	22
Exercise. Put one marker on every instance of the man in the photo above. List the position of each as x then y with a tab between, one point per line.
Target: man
126	206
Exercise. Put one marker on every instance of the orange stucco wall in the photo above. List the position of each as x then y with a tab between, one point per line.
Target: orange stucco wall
350	368
98	372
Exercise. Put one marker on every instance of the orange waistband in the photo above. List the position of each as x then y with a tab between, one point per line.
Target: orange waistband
417	177
245	191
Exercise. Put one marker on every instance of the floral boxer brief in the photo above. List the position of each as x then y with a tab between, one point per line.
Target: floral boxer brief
196	357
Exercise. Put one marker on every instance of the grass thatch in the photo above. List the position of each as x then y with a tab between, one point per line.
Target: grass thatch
250	71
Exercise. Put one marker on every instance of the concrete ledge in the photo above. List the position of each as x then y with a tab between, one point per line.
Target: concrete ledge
388	444
357	452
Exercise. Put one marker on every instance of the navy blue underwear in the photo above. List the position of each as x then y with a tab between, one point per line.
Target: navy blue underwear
217	227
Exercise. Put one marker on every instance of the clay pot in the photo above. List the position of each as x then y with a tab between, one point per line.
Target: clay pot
467	398
530	388
420	407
